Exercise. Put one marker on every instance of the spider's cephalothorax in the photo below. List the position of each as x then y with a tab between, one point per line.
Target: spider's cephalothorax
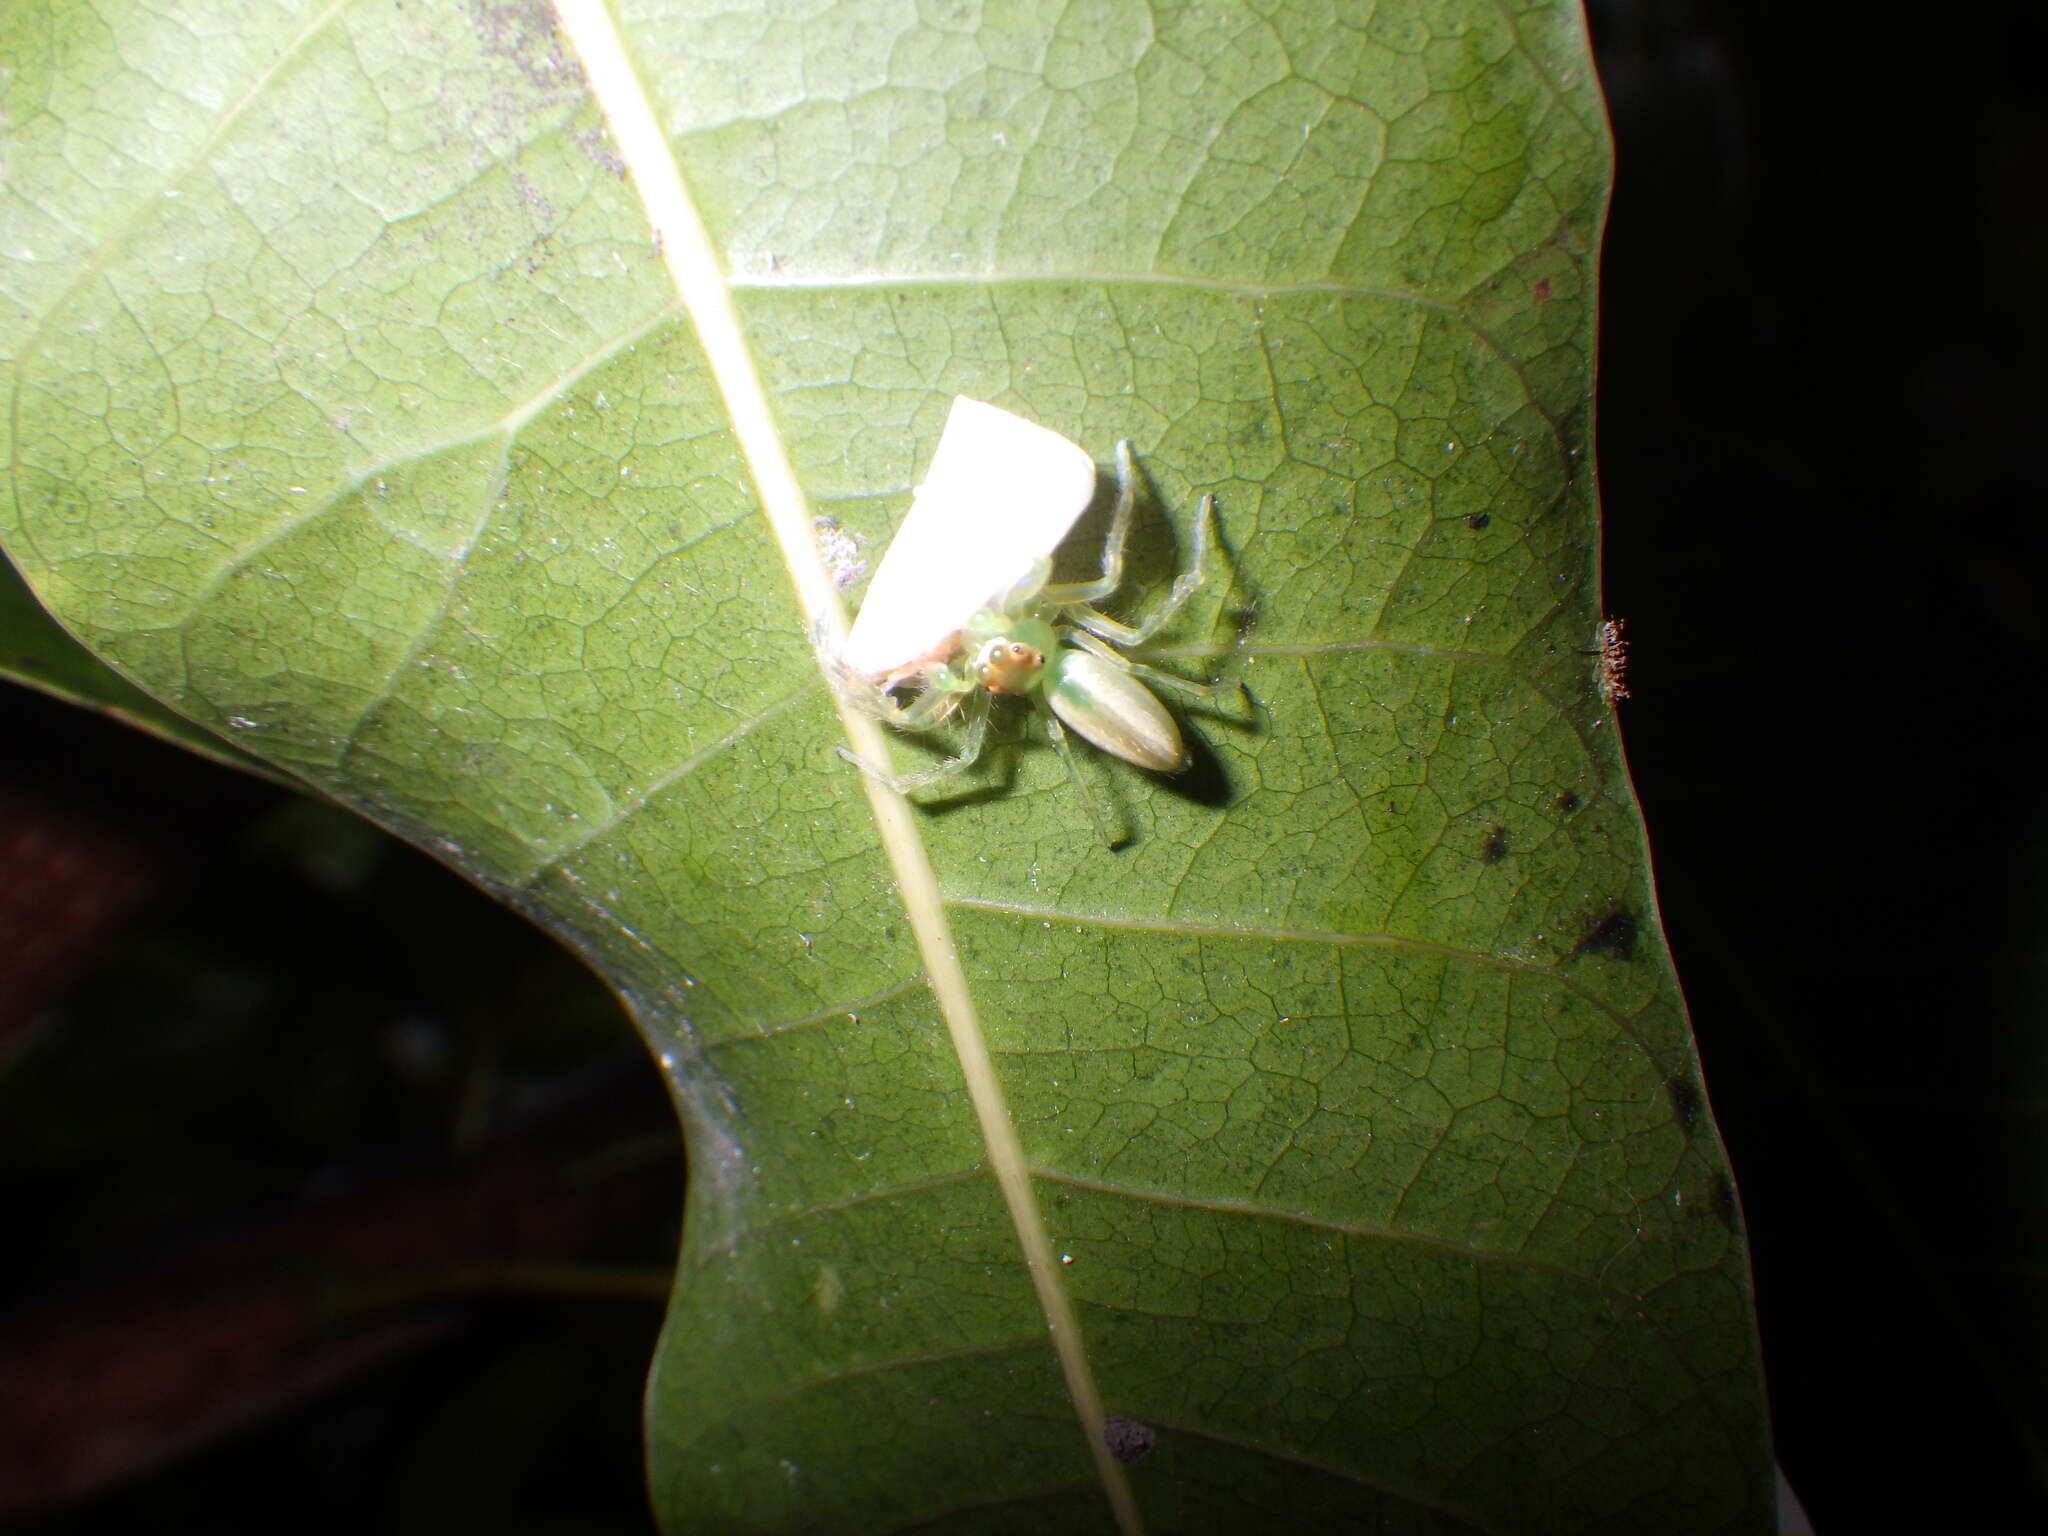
1003	665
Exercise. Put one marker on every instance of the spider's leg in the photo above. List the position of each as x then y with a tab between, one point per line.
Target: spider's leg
941	689
1112	576
1059	739
1093	644
1185	586
1013	600
968	756
934	706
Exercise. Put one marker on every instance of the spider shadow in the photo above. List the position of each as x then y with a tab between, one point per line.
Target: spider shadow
1207	780
1152	548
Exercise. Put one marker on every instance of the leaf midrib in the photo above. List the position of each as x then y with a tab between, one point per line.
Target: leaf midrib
699	277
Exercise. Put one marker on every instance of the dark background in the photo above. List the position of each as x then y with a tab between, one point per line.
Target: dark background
1822	400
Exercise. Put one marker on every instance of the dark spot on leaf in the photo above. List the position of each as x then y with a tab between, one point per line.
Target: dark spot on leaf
1478	520
1495	848
1685	1100
1615	934
1541	292
1723	1201
1127	1440
1568	802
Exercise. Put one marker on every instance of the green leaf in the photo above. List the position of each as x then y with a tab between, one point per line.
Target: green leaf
1341	1138
35	652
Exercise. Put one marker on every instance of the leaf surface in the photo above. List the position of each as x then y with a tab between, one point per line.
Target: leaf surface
37	653
1340	1140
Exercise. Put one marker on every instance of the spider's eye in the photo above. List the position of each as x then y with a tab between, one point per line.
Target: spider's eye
1009	666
